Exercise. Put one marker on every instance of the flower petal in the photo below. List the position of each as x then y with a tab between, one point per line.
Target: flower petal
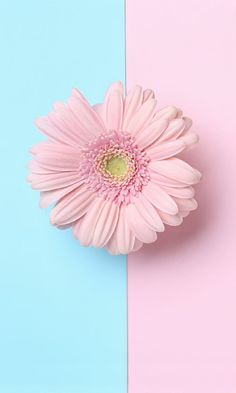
141	117
138	225
52	181
72	206
50	146
186	204
132	103
164	181
47	198
59	160
114	87
168	112
176	169
185	192
148	94
174	129
172	220
36	169
106	224
190	139
64	117
55	133
123	238
89	121
188	124
75	227
147	136
85	230
112	247
99	109
159	198
137	245
149	213
184	213
179	113
166	150
114	110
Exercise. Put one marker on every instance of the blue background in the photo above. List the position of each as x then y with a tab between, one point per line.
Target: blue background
62	307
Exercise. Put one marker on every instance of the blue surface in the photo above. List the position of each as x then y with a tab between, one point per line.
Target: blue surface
62	307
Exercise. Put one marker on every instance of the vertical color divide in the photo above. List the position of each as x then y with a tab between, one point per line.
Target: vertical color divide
62	307
181	290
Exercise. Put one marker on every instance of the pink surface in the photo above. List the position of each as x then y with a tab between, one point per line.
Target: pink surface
182	289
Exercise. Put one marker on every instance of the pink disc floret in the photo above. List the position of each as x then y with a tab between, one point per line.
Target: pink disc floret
119	189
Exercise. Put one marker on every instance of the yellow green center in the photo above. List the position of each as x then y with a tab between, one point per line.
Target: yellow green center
116	166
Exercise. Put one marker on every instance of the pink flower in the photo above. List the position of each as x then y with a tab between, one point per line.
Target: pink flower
111	169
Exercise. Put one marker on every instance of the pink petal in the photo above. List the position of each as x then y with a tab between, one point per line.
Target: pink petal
99	109
58	121
141	117
190	139
47	198
185	192
114	87
176	169
89	121
186	204
166	150
64	117
184	213
49	146
59	161
41	146
36	169
106	224
147	136
137	245
138	225
57	134
72	206
149	213
85	231
75	227
114	110
188	124
169	112
163	180
123	238
51	181
132	103
148	94
111	246
179	113
174	129
159	198
172	220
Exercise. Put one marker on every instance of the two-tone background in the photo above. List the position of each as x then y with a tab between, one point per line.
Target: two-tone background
76	320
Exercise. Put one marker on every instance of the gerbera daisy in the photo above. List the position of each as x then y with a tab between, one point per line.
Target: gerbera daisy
111	171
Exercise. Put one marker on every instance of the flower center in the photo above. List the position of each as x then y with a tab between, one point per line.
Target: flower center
114	167
117	166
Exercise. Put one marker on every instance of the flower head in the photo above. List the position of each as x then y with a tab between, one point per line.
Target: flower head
111	170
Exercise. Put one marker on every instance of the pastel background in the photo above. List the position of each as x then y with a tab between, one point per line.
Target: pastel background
182	290
62	307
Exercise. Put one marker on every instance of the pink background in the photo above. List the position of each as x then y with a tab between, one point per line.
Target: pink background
182	290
